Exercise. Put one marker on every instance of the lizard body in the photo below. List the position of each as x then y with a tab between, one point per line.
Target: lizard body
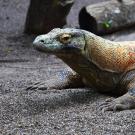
105	65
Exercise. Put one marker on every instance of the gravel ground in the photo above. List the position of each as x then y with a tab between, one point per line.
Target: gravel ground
55	112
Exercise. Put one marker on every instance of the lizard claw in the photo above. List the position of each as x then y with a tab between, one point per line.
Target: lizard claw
37	86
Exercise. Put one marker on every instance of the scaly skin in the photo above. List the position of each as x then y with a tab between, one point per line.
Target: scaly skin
105	65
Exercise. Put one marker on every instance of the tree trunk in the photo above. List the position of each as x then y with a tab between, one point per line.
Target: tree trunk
44	15
108	17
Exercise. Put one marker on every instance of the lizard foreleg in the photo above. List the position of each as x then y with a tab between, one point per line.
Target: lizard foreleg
65	79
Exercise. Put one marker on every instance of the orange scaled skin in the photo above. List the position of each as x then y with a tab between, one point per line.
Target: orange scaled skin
112	56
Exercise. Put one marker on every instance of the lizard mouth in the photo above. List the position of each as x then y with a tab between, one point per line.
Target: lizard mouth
46	48
49	48
43	48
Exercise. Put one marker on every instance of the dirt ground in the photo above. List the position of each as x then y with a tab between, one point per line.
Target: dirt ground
55	112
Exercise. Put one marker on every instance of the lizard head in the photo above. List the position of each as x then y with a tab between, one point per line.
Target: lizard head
59	41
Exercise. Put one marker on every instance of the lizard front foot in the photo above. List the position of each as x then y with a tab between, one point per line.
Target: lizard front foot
66	79
124	102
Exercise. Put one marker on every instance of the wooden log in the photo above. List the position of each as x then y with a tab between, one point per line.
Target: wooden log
107	17
44	15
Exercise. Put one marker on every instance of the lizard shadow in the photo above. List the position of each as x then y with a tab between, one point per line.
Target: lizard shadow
54	99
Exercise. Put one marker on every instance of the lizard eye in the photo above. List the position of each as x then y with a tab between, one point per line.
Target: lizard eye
65	38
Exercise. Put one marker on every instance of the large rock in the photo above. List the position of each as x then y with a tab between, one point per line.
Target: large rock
44	15
107	17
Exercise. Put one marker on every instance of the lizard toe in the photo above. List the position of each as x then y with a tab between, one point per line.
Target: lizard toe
37	86
107	102
106	108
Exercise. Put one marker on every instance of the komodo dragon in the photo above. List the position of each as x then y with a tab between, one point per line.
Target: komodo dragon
107	66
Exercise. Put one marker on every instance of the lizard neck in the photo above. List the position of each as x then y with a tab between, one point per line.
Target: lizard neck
107	55
73	60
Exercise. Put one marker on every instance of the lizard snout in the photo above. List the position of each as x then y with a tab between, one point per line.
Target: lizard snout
38	40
